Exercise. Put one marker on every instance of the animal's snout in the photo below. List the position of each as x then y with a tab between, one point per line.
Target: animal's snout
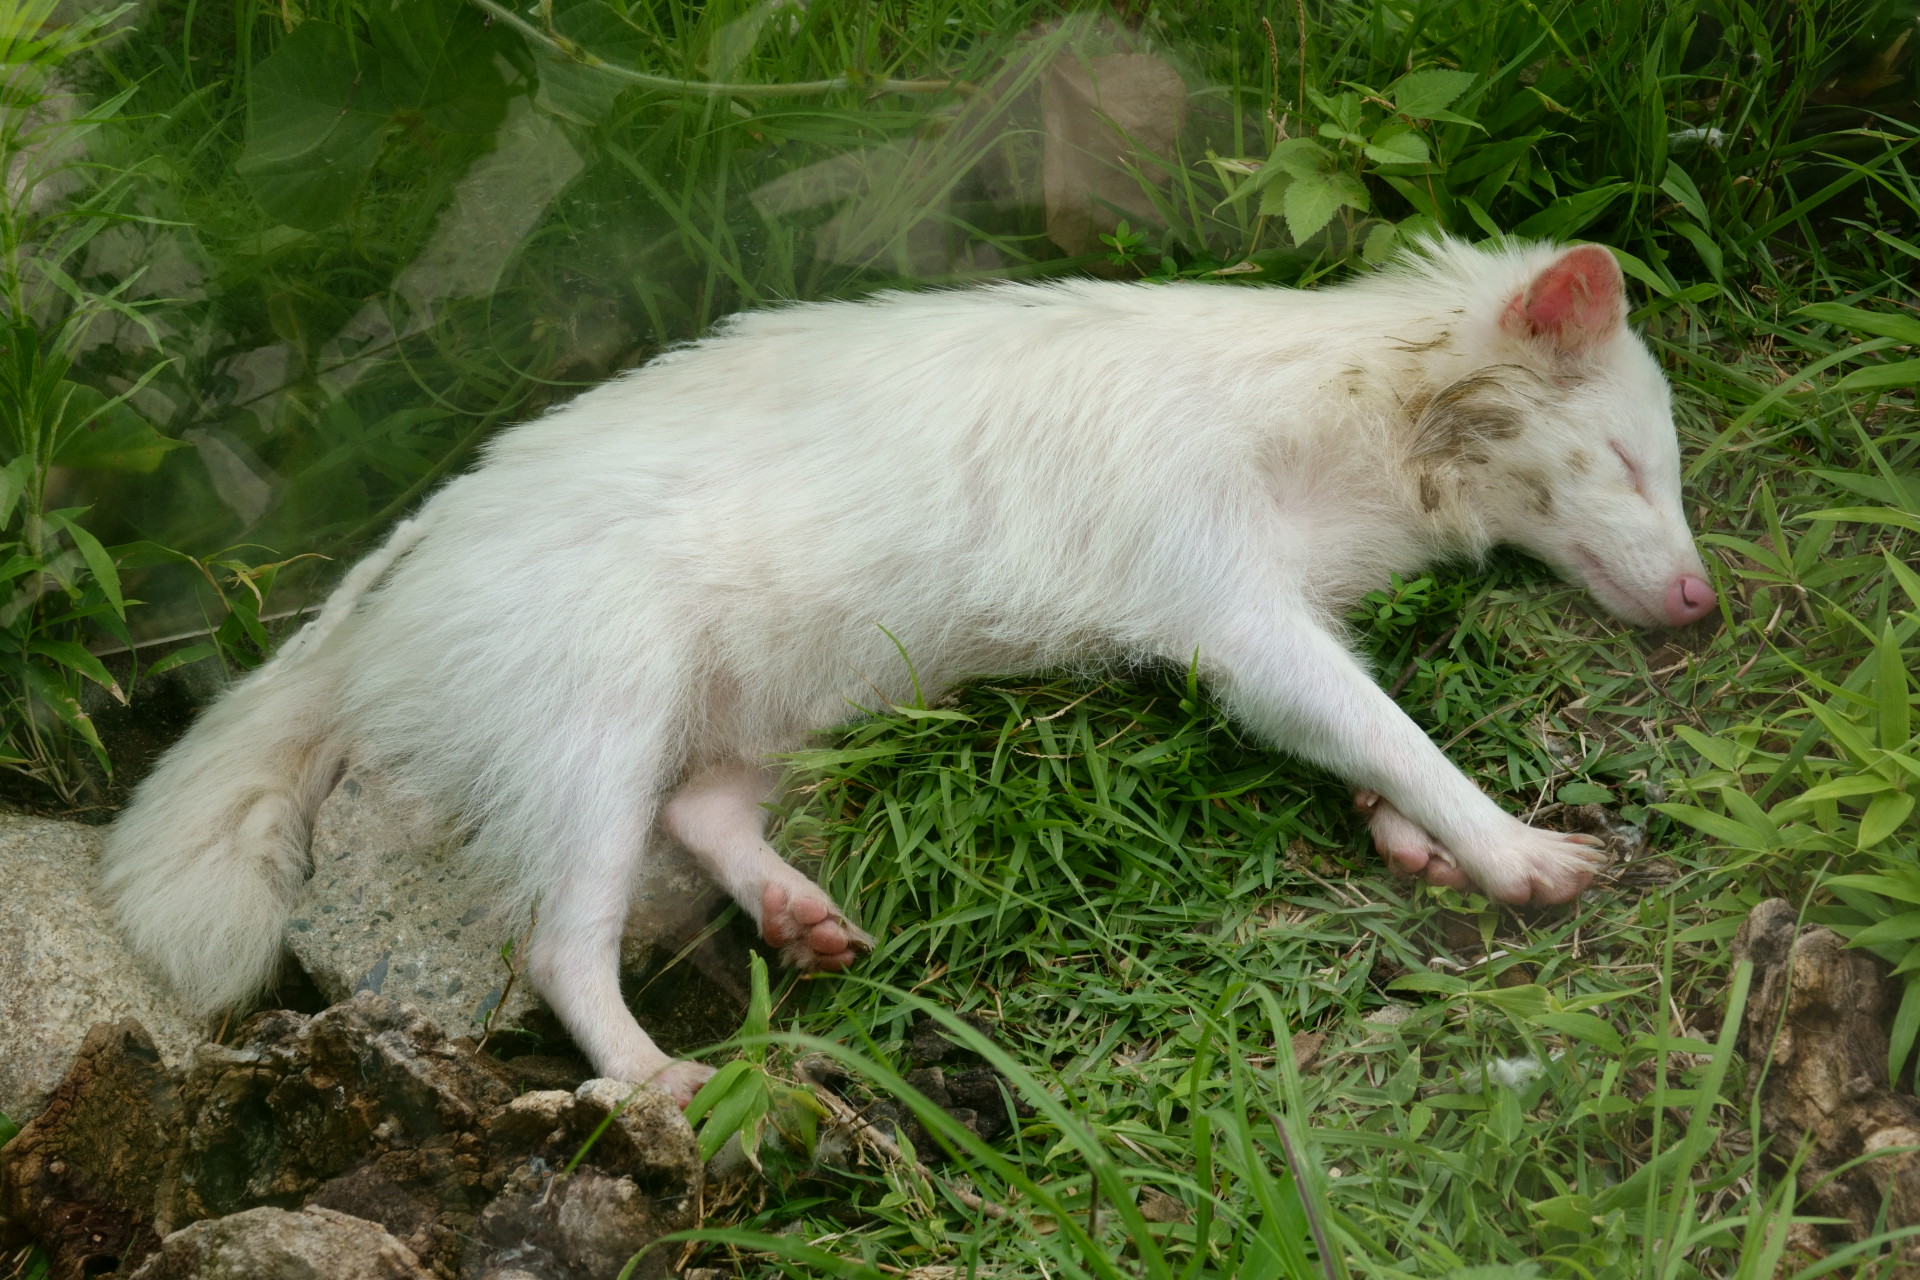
1689	599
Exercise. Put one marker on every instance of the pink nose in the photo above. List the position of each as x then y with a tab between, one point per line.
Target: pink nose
1689	599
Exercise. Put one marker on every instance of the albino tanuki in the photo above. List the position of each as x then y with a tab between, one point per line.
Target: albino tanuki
599	638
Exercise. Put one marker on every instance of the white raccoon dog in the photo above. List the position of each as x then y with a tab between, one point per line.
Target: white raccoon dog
600	637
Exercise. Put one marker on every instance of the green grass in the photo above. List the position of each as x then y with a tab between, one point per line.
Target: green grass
1153	913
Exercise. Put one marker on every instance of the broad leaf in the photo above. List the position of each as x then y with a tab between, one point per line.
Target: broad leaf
1311	201
316	115
1424	93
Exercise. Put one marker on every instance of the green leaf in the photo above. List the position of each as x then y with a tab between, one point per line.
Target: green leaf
718	1086
100	435
75	658
1868	515
181	657
59	699
316	116
1583	793
1879	324
1300	158
437	57
97	560
1382	240
14	478
1403	146
581	93
1310	202
1719	826
1720	751
1883	817
1890	690
1567	215
1877	377
1424	980
1904	927
1681	187
1904	1031
1566	1213
1844	788
1897	888
1582	1026
1424	93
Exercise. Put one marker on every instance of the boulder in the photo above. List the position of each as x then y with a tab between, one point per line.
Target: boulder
63	966
83	1176
313	1244
1818	1016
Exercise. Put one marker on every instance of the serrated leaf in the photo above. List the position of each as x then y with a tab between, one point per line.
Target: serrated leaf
1273	197
1583	793
1382	240
1423	93
1300	158
1310	202
1405	147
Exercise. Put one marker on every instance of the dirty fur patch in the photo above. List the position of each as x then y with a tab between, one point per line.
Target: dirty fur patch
1461	420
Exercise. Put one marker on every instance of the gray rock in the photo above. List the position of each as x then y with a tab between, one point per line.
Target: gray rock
313	1244
63	965
393	909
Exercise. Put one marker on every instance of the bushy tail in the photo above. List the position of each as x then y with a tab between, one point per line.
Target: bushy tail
205	864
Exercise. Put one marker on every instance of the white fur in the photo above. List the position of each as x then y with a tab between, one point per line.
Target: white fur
639	598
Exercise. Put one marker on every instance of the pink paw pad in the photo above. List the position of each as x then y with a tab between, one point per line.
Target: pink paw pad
1408	851
809	930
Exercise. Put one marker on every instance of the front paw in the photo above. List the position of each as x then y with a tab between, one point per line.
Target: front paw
1514	864
1534	865
1408	850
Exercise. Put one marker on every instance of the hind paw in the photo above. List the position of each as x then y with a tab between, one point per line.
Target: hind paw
812	934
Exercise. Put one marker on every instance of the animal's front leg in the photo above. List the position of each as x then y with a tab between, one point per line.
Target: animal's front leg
1286	675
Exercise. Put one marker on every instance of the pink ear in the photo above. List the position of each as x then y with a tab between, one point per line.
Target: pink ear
1573	305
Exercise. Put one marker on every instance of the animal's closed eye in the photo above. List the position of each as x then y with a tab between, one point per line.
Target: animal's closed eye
1633	469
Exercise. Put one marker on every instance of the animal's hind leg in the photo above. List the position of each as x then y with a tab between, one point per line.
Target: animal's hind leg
718	816
573	959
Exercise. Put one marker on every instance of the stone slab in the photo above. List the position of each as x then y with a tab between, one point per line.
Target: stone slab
63	965
393	909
